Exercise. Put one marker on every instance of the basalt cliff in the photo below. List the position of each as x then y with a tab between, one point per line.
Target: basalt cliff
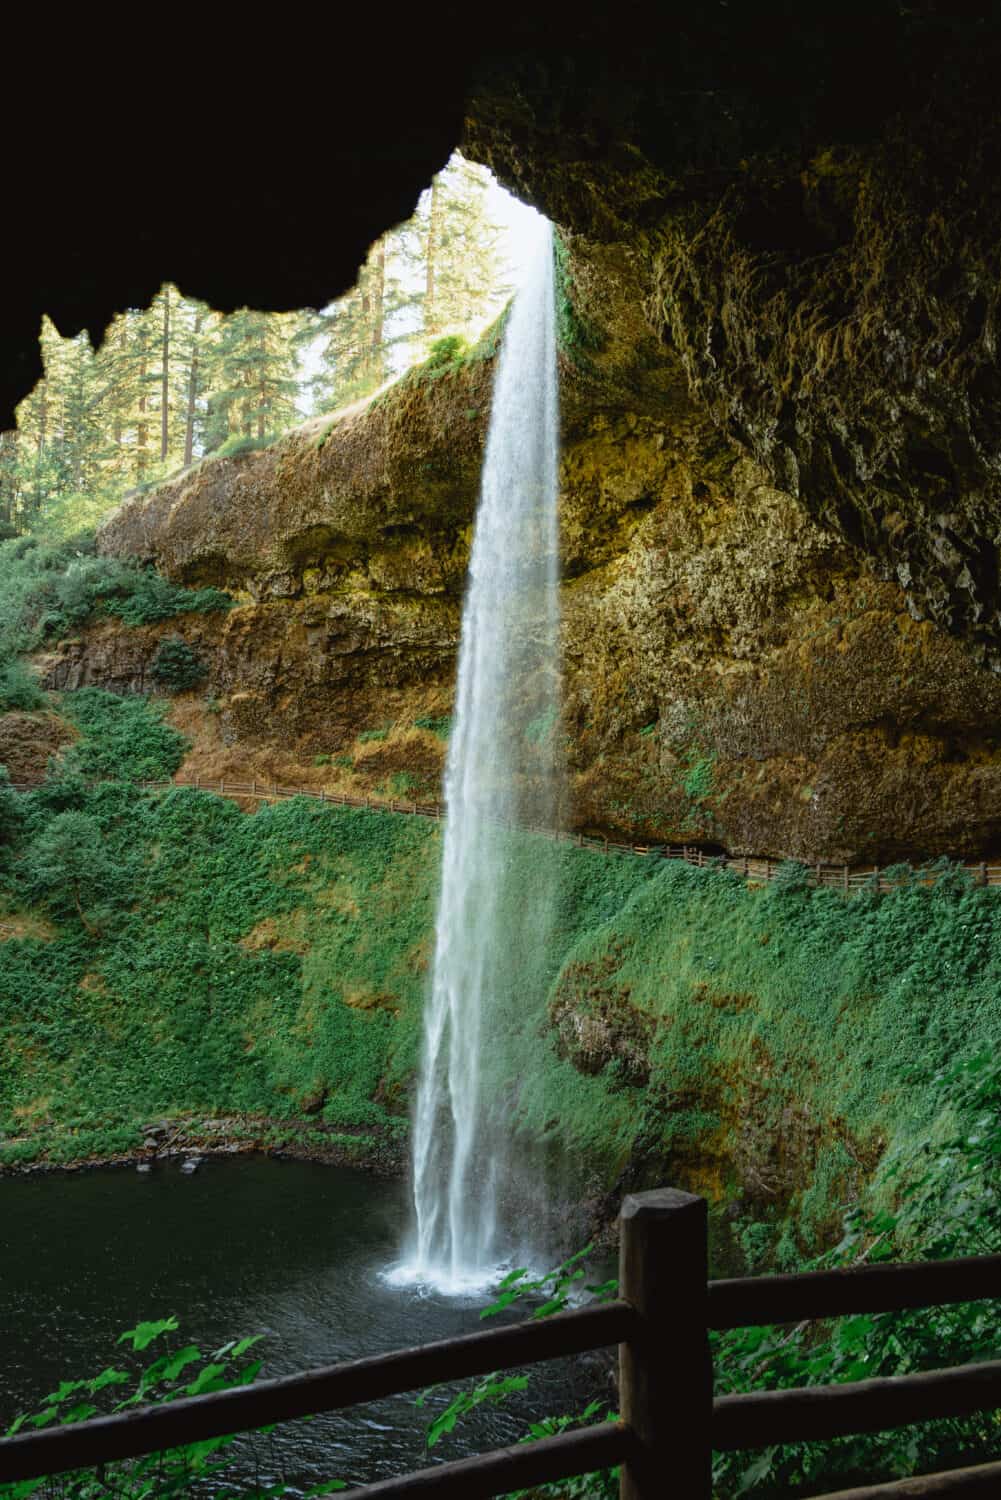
780	482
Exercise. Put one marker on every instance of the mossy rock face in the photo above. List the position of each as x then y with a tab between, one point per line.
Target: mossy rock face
735	674
781	441
826	277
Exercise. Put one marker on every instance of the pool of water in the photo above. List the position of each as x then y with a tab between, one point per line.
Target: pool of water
293	1250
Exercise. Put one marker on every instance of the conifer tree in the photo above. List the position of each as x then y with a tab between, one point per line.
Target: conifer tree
175	381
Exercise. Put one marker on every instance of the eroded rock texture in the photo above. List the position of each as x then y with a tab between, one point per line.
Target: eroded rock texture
782	447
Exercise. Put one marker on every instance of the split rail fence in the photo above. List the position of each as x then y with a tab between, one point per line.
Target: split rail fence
670	1423
757	871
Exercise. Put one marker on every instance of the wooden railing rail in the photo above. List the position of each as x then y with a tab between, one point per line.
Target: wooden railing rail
747	1302
757	870
331	1388
670	1423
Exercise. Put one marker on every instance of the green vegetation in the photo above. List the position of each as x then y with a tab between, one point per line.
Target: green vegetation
50	589
450	350
577	337
176	666
932	1200
177	382
121	739
442	726
175	1372
19	688
263	963
188	958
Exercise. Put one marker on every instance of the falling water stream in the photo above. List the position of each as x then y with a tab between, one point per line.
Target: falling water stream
502	768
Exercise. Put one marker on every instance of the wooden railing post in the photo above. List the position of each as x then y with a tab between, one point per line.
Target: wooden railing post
665	1374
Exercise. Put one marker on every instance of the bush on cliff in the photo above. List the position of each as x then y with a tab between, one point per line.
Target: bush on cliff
176	667
121	739
47	590
19	689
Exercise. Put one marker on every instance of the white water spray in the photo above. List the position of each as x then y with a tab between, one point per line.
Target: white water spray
501	769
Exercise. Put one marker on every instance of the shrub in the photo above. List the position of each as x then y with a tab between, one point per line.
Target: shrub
442	726
19	689
68	867
12	814
446	351
237	444
177	666
122	739
50	589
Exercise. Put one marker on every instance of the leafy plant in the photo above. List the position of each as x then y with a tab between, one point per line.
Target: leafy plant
449	350
172	1374
48	590
120	739
937	1200
177	666
19	689
67	865
556	1288
492	1390
442	726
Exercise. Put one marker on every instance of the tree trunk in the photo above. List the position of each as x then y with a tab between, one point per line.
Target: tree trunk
430	314
189	419
142	429
375	361
89	927
165	378
43	413
262	392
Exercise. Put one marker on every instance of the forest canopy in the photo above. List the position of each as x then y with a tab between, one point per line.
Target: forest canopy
176	382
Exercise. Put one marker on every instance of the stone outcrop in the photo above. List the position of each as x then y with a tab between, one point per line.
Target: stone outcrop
28	740
781	457
737	673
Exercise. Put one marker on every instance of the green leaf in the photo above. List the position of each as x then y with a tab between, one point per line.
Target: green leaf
207	1379
180	1361
107	1377
79	1413
512	1277
245	1344
144	1333
67	1388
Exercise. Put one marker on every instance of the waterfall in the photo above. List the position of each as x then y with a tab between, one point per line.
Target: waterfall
502	768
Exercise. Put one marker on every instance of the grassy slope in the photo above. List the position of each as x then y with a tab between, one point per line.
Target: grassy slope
276	963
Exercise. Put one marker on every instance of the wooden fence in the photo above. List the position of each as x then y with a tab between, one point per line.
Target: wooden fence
755	870
670	1423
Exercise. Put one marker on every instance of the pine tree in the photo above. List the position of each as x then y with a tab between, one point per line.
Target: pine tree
176	381
252	368
464	281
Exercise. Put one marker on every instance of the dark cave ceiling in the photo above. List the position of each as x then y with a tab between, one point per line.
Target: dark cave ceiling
261	169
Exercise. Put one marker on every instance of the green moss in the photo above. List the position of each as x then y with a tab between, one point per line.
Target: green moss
577	336
441	726
448	356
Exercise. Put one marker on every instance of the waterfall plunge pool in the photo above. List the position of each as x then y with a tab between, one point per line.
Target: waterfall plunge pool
295	1250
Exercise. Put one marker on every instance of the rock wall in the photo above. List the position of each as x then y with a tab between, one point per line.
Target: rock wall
737	673
781	460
